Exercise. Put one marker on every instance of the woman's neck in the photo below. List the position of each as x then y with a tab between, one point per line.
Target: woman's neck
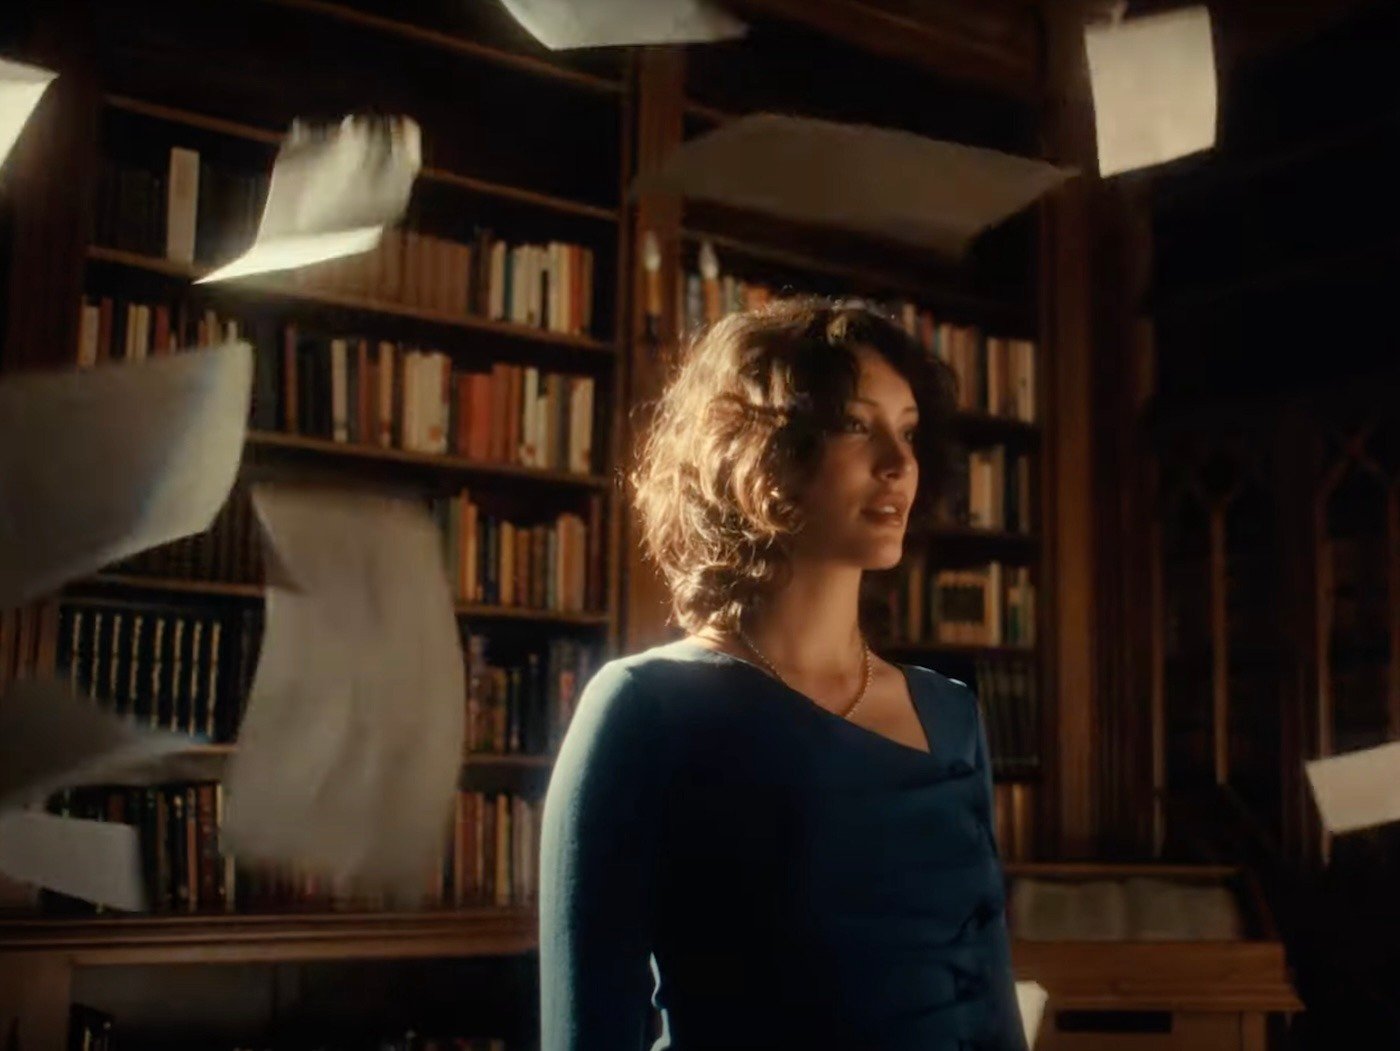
810	627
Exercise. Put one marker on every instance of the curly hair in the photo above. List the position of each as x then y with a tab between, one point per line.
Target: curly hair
737	435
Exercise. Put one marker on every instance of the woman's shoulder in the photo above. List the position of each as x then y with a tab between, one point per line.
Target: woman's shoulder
653	675
640	684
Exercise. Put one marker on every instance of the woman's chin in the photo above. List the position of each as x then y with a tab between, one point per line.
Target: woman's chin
884	556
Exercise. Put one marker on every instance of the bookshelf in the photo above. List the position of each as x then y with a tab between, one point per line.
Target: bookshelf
143	94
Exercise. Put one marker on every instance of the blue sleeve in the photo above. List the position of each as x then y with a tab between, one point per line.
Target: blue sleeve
1010	1034
598	854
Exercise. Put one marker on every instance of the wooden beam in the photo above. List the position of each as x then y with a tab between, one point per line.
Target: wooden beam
660	102
1068	507
991	45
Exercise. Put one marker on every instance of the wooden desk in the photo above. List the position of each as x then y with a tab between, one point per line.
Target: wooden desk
1158	995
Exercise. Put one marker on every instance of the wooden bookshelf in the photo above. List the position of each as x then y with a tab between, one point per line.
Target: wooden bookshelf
249	938
270	287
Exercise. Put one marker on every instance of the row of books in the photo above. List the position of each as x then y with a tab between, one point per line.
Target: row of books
179	669
488	858
548	286
995	375
989	489
178	827
196	212
491	854
112	329
1008	692
229	551
554	565
192	211
988	605
523	706
365	392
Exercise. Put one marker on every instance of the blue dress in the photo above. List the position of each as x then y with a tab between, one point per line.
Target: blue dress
773	875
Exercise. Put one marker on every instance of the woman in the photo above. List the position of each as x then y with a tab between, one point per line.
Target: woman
782	837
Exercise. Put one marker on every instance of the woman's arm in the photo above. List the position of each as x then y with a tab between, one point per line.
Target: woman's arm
598	856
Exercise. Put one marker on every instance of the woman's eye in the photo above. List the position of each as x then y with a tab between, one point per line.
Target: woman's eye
851	425
910	434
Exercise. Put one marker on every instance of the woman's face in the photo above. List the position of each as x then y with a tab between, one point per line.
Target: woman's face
857	506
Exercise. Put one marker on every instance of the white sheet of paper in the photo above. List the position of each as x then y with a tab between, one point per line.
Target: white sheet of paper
561	24
351	746
1030	999
21	88
889	183
50	739
1153	80
1359	789
103	463
98	861
332	193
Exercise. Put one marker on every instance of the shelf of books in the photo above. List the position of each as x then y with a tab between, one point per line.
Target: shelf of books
469	361
964	601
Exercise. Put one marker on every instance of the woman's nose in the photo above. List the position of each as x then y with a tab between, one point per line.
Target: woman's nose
894	458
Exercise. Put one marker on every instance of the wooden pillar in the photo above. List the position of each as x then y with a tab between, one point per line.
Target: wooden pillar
660	101
1067	334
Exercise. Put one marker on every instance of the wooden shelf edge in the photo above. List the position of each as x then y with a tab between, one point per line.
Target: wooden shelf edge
479	760
267	136
264	286
217	588
458	464
237	937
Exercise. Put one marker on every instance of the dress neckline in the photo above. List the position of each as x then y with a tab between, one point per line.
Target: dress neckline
920	710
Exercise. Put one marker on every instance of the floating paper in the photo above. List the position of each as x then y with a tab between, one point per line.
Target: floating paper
333	191
888	183
50	739
560	24
21	87
1153	80
1030	999
1358	789
101	464
351	746
98	861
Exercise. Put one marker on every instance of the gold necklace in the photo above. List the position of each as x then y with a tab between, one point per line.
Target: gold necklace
768	666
